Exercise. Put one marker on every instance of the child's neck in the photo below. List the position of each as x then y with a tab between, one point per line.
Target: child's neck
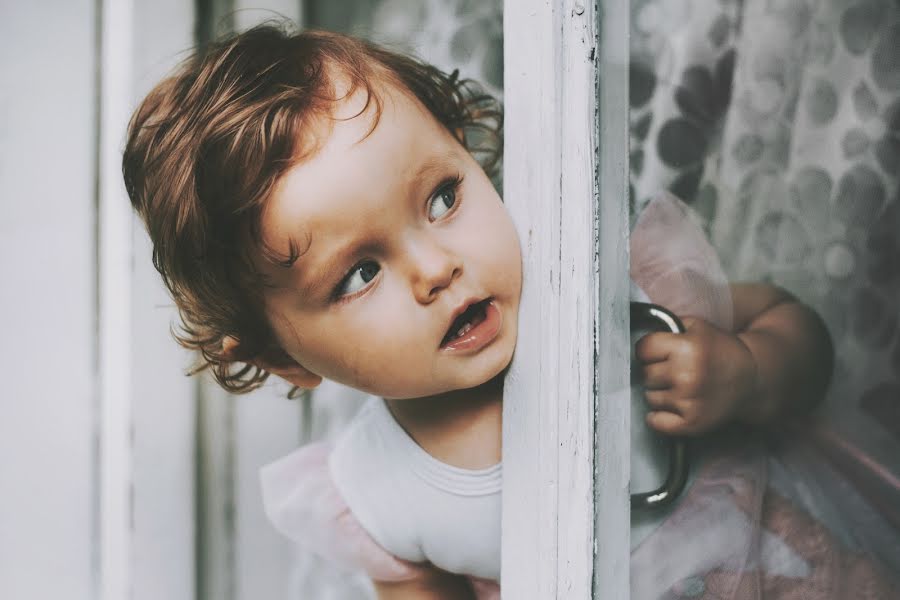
461	427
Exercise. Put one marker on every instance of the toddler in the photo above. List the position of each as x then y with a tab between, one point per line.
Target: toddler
321	207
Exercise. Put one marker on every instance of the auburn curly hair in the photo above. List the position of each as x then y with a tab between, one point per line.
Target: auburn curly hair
207	145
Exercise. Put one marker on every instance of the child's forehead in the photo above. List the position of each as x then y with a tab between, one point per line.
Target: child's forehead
381	104
362	140
384	128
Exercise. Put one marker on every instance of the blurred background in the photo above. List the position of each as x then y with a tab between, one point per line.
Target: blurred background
787	142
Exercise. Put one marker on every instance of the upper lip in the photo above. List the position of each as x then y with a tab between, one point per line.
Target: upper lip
461	308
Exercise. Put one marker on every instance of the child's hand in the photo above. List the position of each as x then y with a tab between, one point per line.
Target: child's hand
697	380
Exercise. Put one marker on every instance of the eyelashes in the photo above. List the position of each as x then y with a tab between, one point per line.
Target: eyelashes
362	274
445	199
446	193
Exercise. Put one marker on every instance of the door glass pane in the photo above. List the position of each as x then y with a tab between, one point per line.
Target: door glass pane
778	124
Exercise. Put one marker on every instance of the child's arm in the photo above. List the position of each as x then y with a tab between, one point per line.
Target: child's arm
777	362
792	348
436	585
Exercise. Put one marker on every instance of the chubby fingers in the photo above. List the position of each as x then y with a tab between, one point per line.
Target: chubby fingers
656	346
668	423
656	376
673	371
663	400
655	353
673	414
671	419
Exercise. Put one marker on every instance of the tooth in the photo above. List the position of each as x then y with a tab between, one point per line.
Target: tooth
464	329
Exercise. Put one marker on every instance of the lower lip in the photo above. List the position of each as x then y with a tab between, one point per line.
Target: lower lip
481	335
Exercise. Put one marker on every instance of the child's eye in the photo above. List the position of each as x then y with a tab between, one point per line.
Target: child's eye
443	200
358	278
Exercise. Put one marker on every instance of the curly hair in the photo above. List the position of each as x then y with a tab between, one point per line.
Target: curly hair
208	144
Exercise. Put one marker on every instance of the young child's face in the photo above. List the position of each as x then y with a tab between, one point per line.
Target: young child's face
392	248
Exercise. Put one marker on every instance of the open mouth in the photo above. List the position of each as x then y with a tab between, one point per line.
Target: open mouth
468	320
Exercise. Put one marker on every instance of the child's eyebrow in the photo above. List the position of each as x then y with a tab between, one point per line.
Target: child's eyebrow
314	280
431	165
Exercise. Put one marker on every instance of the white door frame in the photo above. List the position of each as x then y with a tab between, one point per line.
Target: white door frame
565	439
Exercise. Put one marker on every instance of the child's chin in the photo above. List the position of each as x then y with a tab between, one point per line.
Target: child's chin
489	373
471	377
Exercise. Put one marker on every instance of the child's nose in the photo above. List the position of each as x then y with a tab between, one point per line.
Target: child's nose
433	268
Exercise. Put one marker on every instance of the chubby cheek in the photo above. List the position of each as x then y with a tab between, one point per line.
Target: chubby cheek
376	349
506	271
390	370
501	253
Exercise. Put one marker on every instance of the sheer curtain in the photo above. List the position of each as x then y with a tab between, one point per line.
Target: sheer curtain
779	122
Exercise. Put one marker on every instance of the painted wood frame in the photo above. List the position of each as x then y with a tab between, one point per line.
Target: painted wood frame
565	437
145	449
114	221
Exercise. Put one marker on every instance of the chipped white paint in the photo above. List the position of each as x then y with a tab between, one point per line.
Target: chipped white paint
569	323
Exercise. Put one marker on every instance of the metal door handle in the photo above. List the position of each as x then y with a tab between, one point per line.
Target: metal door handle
653	317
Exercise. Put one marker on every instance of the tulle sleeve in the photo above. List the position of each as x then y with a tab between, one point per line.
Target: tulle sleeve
674	264
302	502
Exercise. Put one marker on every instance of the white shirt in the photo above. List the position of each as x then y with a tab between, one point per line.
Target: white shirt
415	506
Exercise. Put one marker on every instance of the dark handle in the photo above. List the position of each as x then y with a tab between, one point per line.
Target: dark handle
657	318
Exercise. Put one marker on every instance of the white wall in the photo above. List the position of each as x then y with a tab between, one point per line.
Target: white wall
47	159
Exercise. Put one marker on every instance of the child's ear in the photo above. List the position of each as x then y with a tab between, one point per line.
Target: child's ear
277	362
